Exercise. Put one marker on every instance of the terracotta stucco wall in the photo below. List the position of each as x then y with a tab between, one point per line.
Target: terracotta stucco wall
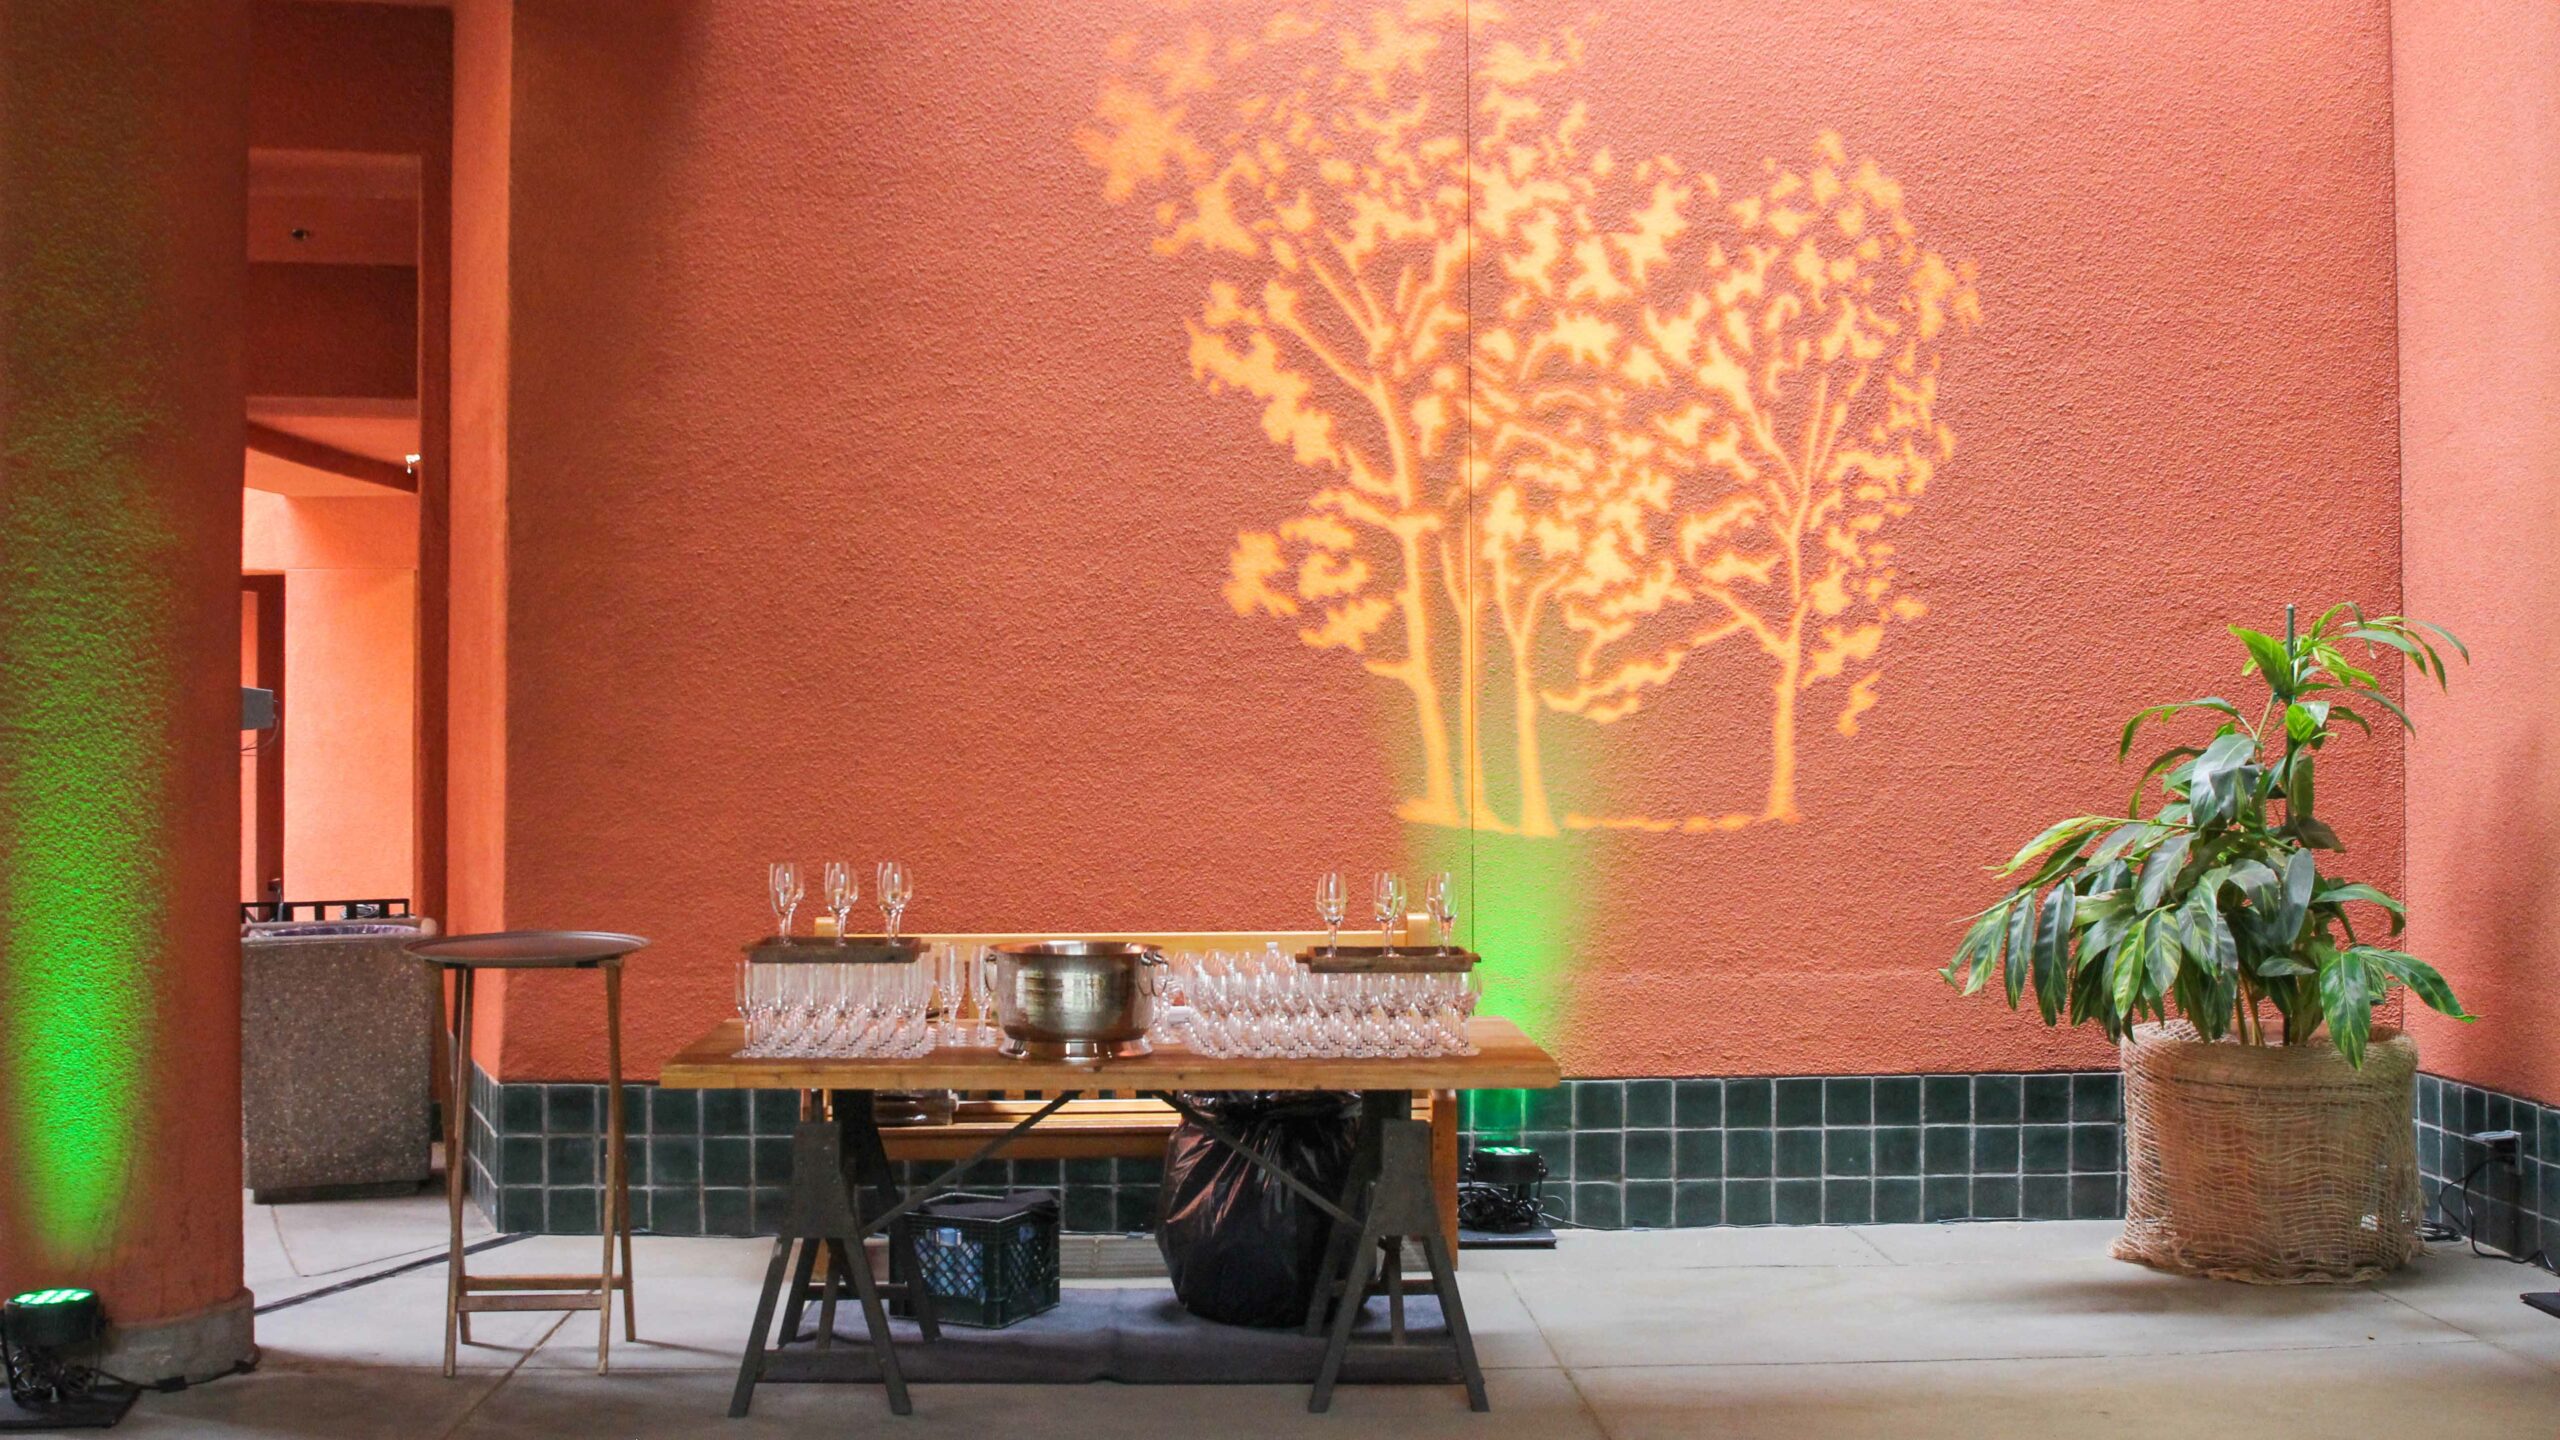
864	499
2477	86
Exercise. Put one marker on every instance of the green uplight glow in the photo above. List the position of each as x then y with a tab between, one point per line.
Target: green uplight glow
87	613
52	1297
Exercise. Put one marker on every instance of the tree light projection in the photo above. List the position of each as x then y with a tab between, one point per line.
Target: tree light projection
1576	418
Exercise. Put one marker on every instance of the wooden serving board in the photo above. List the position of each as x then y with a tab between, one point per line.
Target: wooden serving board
826	950
1377	960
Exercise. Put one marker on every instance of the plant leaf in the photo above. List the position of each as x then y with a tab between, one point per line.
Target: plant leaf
2167	858
2299	789
2053	949
2339	894
2055	834
2421	978
2022	941
2213	786
2304	718
2301	875
2267	657
2316	834
2347	1004
2124	743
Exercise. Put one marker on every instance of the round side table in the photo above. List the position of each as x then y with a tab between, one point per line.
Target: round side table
466	956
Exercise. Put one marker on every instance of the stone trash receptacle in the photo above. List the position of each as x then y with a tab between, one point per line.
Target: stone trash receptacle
337	1040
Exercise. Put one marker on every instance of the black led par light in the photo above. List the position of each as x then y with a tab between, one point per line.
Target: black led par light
40	1331
1498	1200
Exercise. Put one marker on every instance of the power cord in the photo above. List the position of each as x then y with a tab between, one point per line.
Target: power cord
2445	1229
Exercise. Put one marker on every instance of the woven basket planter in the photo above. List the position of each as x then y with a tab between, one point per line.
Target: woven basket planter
2275	1165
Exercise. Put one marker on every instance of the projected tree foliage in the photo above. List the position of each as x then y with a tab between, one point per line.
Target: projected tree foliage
1575	419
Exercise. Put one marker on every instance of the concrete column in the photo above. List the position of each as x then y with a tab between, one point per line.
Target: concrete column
123	164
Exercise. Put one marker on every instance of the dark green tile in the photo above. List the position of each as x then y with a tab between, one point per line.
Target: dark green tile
1599	1155
1898	1150
1749	1202
1090	1209
1601	1206
2048	1099
1550	1109
1500	1113
1798	1202
1698	1155
1998	1100
572	1160
1749	1154
725	1112
1049	1173
1946	1150
1995	1197
2044	1197
571	1109
570	1211
1555	1200
675	1160
1599	1104
2094	1197
1648	1156
2095	1096
772	1207
2045	1149
1134	1208
1897	1202
675	1210
520	1209
1849	1153
1799	1102
520	1109
1898	1100
1748	1104
640	1209
1648	1204
1848	1202
1698	1104
727	1211
1848	1100
773	1162
1799	1154
1946	1197
1090	1170
1648	1104
1138	1170
674	1112
777	1112
726	1161
1698	1202
520	1160
1946	1100
635	1108
1995	1149
2095	1149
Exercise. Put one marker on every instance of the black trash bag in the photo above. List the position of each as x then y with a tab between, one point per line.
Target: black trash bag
1243	1248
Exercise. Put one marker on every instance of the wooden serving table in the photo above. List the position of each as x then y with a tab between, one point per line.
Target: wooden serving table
835	1161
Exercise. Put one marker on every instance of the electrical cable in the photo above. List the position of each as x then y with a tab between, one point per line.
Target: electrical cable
2467	1230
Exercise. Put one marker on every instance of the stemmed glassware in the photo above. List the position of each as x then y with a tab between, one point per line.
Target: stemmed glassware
1332	906
1441	900
980	971
894	888
1388	899
841	893
783	877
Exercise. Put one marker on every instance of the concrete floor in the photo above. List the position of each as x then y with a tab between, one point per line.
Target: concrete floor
1909	1332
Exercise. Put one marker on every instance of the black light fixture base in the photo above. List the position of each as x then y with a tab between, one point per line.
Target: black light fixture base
99	1409
2546	1301
1538	1239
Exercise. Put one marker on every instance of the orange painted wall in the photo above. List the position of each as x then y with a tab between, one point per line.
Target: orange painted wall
862	498
334	330
351	594
2477	85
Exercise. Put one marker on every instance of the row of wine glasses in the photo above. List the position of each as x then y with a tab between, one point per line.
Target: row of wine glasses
899	1009
1271	1005
893	887
1388	903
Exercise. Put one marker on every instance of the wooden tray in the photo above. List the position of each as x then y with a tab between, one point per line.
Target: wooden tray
826	950
1378	960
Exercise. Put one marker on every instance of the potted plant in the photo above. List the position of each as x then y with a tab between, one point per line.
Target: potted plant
2268	1126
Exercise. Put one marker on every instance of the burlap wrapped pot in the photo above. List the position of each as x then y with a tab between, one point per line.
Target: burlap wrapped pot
2271	1164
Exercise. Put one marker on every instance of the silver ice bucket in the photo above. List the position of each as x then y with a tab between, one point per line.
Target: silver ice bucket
1077	999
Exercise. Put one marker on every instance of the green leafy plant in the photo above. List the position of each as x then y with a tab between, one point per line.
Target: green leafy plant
2214	906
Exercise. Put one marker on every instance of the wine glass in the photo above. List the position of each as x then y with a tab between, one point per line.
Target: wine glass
894	888
841	893
1387	900
787	886
1442	902
1331	905
981	971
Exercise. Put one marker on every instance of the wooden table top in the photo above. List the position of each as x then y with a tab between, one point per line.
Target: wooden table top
1505	1059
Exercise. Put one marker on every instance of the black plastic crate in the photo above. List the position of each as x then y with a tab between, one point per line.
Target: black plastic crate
989	1260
